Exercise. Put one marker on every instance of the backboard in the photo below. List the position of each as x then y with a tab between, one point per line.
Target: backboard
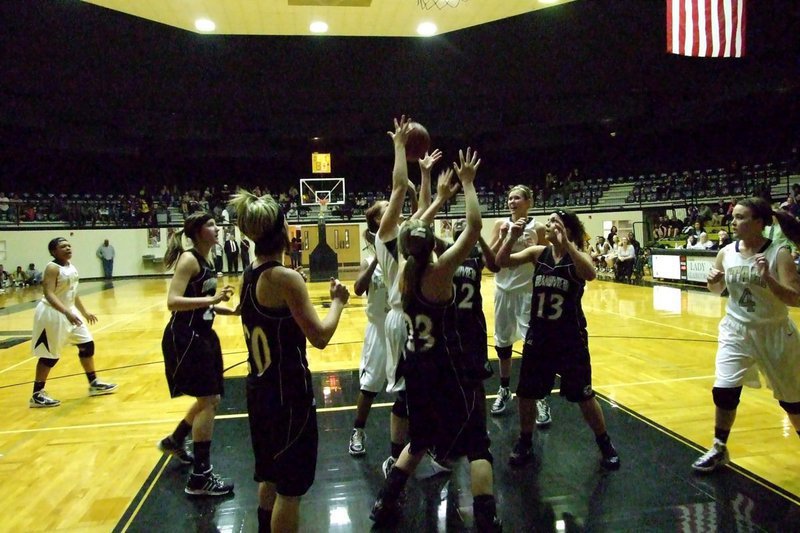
314	189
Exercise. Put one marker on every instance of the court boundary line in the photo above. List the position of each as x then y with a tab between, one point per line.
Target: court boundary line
150	483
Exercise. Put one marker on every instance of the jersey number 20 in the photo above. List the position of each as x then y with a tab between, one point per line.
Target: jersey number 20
259	349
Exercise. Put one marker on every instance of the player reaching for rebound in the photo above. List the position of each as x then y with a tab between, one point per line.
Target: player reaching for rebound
556	341
56	323
192	353
442	405
756	332
278	317
512	310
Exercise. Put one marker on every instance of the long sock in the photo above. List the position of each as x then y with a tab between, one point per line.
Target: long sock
181	432
396	449
526	438
264	520
91	376
722	434
359	424
37	386
395	482
202	456
485	509
505	382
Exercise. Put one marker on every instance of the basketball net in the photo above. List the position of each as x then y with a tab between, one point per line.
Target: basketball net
439	4
323	207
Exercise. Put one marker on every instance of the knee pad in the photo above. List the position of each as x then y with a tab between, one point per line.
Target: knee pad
728	398
86	349
400	409
368	394
791	408
49	363
503	353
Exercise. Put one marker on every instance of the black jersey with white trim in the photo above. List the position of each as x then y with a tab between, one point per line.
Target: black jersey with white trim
202	284
556	299
276	346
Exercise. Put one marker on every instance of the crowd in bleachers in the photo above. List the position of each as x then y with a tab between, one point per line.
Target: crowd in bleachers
169	204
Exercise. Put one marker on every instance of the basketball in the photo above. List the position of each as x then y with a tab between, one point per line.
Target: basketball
418	142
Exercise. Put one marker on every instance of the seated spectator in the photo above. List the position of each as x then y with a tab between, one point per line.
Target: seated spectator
19	278
611	257
790	206
5	277
724	240
703	242
718	213
691	243
34	276
729	214
676	225
626	259
598	250
663	228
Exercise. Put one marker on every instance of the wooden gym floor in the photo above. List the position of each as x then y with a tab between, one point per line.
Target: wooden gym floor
91	464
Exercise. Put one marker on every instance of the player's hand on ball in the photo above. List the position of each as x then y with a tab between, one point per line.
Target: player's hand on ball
427	162
715	276
401	129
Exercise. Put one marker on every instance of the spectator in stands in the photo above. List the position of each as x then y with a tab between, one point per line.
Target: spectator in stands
612	234
693	230
691	242
723	240
34	276
675	225
19	278
662	228
597	251
637	247
4	206
626	259
703	242
718	213
729	213
611	257
5	277
790	206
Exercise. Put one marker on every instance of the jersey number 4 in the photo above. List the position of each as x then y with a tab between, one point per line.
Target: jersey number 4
747	301
259	349
549	306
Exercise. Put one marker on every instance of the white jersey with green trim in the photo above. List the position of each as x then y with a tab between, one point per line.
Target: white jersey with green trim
516	277
750	300
66	285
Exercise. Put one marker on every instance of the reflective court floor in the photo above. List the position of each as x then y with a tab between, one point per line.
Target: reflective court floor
91	464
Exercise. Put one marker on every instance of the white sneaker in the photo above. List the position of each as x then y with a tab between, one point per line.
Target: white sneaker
42	399
387	466
543	418
357	442
501	402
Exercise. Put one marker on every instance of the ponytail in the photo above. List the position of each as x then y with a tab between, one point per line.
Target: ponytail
416	243
790	226
191	227
174	249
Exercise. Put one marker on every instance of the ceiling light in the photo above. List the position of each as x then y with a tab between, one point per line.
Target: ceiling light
205	25
426	29
318	27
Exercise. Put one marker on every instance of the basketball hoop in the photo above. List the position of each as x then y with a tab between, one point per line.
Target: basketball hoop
323	206
439	4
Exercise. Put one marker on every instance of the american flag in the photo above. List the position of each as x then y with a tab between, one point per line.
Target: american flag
706	28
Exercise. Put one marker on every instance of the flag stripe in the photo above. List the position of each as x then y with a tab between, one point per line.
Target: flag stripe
706	28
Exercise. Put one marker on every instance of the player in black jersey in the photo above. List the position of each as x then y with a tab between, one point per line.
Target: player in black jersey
278	317
440	401
557	341
192	353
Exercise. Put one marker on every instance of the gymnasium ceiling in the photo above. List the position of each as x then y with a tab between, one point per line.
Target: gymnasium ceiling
76	76
351	18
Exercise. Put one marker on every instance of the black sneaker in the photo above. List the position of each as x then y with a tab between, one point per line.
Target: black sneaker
167	445
610	457
41	399
384	509
207	484
521	454
99	388
713	458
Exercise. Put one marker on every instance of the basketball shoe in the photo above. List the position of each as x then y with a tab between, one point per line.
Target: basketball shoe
41	399
207	484
716	456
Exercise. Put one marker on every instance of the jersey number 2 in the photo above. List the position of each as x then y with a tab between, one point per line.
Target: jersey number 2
259	349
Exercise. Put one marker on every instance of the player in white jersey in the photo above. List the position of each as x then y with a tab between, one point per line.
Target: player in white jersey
756	332
512	295
56	323
372	370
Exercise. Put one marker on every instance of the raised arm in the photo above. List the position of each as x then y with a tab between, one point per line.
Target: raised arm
488	255
466	170
446	188
425	168
318	332
391	217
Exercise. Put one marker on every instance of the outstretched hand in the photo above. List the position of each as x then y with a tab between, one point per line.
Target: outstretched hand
468	166
446	187
426	163
401	130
